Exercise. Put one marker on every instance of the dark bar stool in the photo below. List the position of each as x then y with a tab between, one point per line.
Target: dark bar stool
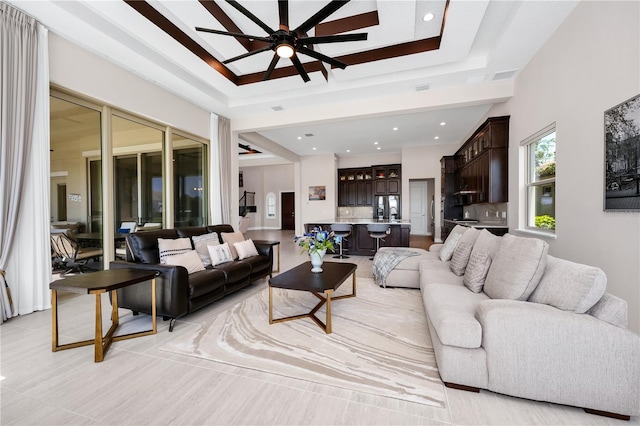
342	230
378	231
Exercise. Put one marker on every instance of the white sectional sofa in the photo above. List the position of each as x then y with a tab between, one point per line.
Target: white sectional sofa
515	320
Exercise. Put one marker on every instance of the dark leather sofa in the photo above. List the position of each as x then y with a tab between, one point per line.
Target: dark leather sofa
178	293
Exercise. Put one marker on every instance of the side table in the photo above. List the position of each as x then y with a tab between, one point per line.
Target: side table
271	243
98	283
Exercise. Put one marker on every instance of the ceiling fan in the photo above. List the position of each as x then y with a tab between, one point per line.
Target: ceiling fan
286	43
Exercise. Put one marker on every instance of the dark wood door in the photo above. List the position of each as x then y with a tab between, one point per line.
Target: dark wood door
288	209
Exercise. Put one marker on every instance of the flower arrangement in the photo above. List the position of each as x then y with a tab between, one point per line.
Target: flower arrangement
316	241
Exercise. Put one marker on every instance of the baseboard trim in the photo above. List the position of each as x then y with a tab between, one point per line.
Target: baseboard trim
607	414
462	387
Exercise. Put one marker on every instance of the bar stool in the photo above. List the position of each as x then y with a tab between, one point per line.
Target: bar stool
378	231
342	230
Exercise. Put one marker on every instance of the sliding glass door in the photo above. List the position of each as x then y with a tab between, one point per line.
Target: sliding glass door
139	177
189	179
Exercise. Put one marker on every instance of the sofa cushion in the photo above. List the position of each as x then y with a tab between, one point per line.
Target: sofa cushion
429	275
205	282
220	254
449	246
231	238
516	268
189	260
476	272
569	286
200	243
487	243
173	247
411	262
611	309
451	310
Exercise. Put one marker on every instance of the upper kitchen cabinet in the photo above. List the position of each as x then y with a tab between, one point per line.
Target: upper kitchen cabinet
387	179
355	187
482	164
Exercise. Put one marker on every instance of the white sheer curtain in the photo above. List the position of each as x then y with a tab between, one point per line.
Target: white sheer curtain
220	176
25	254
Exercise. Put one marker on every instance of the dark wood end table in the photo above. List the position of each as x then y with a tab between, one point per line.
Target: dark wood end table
98	283
272	243
326	282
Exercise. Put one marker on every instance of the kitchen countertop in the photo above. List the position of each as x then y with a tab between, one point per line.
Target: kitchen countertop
479	224
360	221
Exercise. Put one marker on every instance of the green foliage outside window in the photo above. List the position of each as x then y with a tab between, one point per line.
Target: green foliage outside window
545	222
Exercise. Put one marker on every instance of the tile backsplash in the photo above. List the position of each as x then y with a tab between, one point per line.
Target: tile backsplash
355	212
496	212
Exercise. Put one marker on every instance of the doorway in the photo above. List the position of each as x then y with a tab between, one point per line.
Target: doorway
288	209
421	198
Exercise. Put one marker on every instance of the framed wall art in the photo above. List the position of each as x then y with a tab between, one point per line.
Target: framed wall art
622	156
317	193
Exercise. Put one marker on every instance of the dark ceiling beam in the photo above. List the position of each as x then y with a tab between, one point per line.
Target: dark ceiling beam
350	23
146	10
224	19
395	51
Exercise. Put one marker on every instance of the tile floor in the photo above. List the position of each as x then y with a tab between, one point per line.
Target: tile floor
139	384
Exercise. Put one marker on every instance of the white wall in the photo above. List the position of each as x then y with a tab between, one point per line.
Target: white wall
369	160
318	170
589	65
423	162
76	69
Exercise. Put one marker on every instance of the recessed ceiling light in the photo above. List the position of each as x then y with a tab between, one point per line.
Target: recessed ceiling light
395	128
314	148
437	137
348	150
299	137
443	123
375	143
378	148
428	17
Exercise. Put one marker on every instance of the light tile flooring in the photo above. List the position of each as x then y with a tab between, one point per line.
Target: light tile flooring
139	384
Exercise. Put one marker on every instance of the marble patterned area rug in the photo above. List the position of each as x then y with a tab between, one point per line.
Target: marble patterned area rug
380	342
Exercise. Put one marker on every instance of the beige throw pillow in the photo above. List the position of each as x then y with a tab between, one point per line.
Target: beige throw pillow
460	258
449	247
231	238
476	271
189	260
246	249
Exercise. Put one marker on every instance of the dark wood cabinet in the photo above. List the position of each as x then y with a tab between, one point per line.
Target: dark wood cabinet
358	186
450	208
482	164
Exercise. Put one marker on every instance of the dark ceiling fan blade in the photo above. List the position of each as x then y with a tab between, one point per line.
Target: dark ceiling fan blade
333	38
283	11
272	66
321	57
300	68
245	55
251	16
227	33
320	15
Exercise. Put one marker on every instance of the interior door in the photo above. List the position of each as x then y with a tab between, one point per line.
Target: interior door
288	209
418	207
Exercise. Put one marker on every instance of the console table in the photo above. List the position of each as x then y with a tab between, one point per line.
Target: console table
98	283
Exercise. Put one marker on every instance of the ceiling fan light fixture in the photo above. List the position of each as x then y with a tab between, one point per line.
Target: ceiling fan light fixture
285	50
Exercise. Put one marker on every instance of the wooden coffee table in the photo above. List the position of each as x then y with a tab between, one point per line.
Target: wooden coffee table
301	278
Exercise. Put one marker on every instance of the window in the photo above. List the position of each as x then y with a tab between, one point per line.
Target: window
189	181
541	180
271	205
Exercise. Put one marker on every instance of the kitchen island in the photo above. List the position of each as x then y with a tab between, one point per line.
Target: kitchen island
360	243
